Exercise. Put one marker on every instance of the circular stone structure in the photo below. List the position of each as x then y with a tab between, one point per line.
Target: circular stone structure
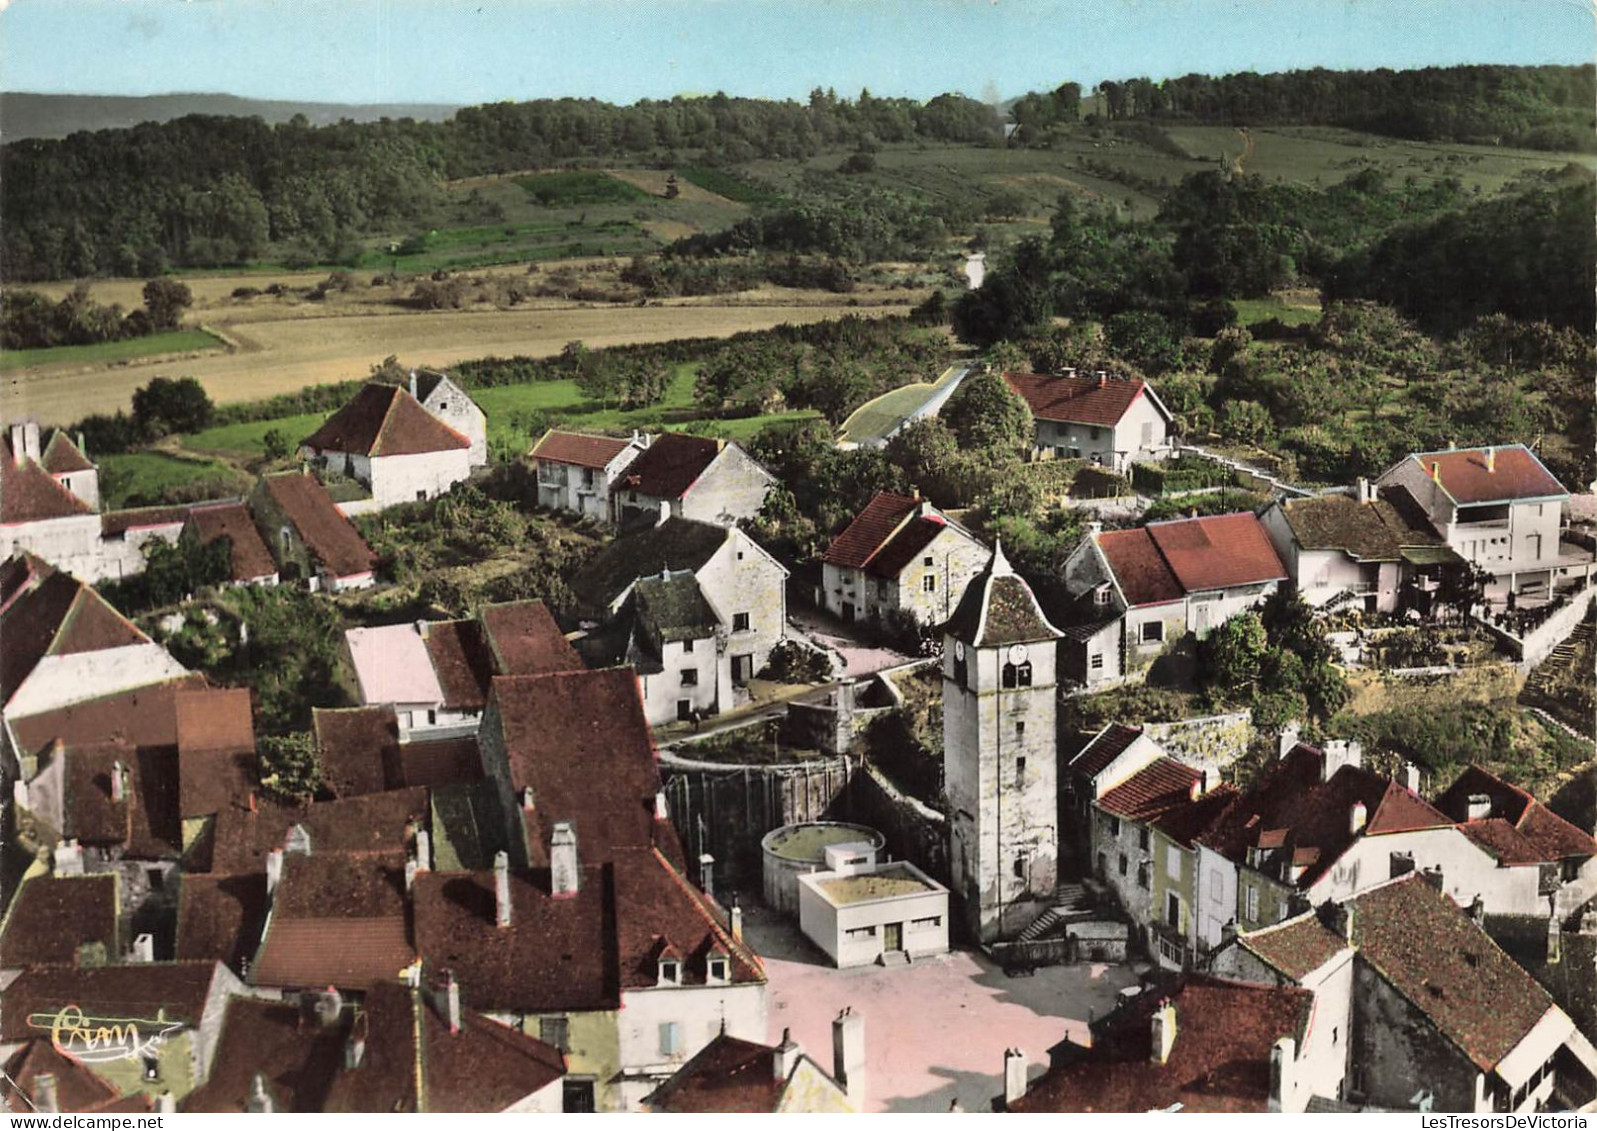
795	850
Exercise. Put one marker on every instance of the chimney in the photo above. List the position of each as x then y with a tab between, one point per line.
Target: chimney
45	1096
1436	471
424	851
1340	752
737	920
1491	460
30	439
413	384
1094	529
298	840
1365	493
447	1000
410	874
1555	941
82	447
329	1006
119	781
69	858
528	799
1289	738
661	811
1479	806
166	1103
707	874
1283	1057
502	888
564	876
1195	790
1358	817
274	869
848	1056
785	1057
259	1103
1228	933
665	512
144	948
1014	1075
19	451
1411	777
354	1050
1103	378
1162	1031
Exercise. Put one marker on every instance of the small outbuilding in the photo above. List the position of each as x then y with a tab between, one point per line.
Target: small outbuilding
793	850
861	911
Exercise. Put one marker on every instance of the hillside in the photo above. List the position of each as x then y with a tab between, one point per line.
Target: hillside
25	115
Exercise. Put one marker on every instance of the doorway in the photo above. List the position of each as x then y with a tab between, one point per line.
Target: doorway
892	937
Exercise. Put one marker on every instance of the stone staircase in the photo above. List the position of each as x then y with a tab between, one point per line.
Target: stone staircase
1070	904
1538	685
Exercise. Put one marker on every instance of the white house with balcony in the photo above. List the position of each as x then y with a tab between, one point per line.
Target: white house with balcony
576	471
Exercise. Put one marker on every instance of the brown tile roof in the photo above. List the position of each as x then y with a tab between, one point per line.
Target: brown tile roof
435	762
1140	570
1297	947
1078	400
374	823
359	748
20	571
1220	1060
484	1066
1430	951
1184	823
329	535
139	990
669	466
872	527
727	1075
676	544
297	1056
525	640
999	608
219	917
1374	531
114	524
59	616
1516	474
1519	829
250	557
62	456
337	920
1217	551
77	1088
580	742
578	448
52	916
657	908
1107	745
556	956
905	546
461	661
215	749
1152	791
28	493
146	823
139	718
383	420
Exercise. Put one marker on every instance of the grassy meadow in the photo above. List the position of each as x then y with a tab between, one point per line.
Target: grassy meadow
101	353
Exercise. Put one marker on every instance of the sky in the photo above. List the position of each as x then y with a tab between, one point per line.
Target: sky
471	51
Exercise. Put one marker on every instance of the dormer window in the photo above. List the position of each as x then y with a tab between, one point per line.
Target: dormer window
670	972
1100	595
718	969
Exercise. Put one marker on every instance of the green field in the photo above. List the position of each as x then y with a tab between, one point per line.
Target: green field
248	440
142	478
722	183
486	245
175	341
578	188
1251	310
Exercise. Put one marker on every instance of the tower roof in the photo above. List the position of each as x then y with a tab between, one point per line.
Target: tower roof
999	608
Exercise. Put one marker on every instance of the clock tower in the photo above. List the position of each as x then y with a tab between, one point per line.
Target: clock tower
1001	753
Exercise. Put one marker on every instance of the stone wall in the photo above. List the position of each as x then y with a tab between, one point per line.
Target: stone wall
914	831
1210	743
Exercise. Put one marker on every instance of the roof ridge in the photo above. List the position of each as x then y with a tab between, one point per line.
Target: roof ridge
733	945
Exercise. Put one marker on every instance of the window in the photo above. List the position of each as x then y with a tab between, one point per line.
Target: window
1251	894
1172	862
1020	767
1020	728
690	677
1125	865
420	495
1020	866
1095	433
152	1068
555	1031
286	538
1142	838
1152	631
670	1038
1143	875
1113	824
740	622
717	969
670	972
740	555
1172	911
576	1097
1096	662
856	933
928	583
961	673
1100	595
1216	883
930	923
687	647
1017	675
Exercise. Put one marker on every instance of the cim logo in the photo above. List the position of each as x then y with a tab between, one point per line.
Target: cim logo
98	1040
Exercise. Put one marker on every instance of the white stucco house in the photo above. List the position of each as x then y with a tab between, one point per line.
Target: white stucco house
861	910
42	514
386	441
1110	421
691	477
899	553
449	403
576	472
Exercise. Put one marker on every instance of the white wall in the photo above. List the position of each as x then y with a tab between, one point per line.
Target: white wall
404	479
57	681
828	925
1467	871
740	577
699	1010
1217	896
452	406
71	544
663	690
731	489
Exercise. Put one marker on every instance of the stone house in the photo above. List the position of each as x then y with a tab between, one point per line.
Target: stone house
576	472
1354	550
66	463
249	561
1110	421
1498	507
447	401
743	585
732	1075
899	554
1135	591
692	477
385	440
679	650
1109	758
126	537
311	539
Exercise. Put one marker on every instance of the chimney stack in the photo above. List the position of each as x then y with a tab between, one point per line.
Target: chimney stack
737	920
528	799
354	1050
661	811
1162	1032
1014	1075
502	888
166	1103
786	1056
448	1001
19	451
1411	777
30	439
1491	460
1103	378
1289	738
119	781
46	1097
1358	816
1094	529
848	1056
707	874
1365	492
424	851
274	869
413	384
144	948
1283	1055
410	874
69	858
260	1102
82	447
329	1006
1436	471
564	875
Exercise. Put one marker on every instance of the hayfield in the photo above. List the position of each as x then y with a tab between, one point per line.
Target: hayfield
128	349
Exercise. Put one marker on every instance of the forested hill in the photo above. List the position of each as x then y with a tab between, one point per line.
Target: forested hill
1526	107
24	114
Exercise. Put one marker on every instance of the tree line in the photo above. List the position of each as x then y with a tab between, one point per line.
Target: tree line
29	320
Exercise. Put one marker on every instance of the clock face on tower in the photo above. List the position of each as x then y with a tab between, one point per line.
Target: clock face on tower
959	649
1017	654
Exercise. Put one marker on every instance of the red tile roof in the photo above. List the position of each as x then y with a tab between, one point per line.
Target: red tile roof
1185	822
670	465
139	718
331	538
139	990
872	527
375	823
1430	951
1220	1060
297	1057
384	420
62	456
1139	568
28	493
525	640
250	557
1516	474
656	907
1297	947
905	546
59	616
219	917
461	661
359	748
337	919
21	571
1519	829
579	449
1152	791
1163	561
51	917
727	1075
999	608
114	524
580	742
556	956
77	1088
1078	400
146	823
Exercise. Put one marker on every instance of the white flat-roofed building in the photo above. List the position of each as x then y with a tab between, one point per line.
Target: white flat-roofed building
861	911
